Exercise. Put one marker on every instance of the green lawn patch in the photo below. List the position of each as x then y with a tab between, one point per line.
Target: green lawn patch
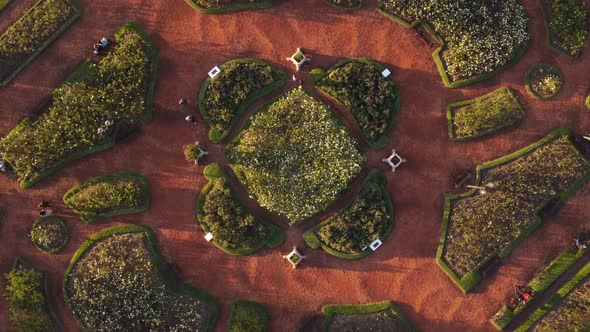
478	227
4	4
224	98
247	316
380	316
27	299
39	26
543	81
367	218
225	6
235	230
372	99
478	38
294	156
116	282
565	22
49	234
482	116
88	111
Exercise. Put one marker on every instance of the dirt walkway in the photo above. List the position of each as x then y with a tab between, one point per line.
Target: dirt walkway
403	269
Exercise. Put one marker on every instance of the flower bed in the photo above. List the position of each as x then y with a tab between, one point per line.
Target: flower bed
235	230
477	227
24	40
478	38
372	99
115	282
109	195
86	112
294	156
543	81
369	217
224	6
565	22
26	299
248	316
481	116
347	4
225	97
380	316
49	234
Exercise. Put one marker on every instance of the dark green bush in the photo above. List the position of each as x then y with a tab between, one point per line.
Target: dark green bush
247	317
191	152
49	234
567	25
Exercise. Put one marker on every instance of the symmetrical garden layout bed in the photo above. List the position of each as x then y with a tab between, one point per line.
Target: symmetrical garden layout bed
480	225
369	217
478	38
565	24
347	4
380	316
235	230
224	98
88	111
224	6
248	316
123	263
481	116
49	234
373	100
39	26
294	156
109	195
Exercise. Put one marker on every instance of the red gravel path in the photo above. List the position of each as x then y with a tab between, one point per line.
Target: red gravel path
403	269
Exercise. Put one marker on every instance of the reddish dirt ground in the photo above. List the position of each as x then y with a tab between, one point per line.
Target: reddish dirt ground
403	269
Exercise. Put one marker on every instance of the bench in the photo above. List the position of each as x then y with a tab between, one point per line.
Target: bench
461	180
490	267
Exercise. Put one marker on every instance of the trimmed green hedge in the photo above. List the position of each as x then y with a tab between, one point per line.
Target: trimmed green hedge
275	235
279	79
140	197
565	25
332	310
158	260
347	4
588	102
314	241
231	7
248	316
4	4
533	80
62	231
489	113
471	278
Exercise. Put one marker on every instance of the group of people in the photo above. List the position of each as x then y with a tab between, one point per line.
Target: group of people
100	45
581	242
523	294
45	211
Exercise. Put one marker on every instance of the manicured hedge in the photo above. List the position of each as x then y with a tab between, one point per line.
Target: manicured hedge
49	234
529	188
372	99
565	24
478	38
482	116
347	4
156	262
224	6
543	81
235	230
588	102
88	111
294	156
248	316
109	195
368	217
26	296
39	26
331	311
4	4
224	98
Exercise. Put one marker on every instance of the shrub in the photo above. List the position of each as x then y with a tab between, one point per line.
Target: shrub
294	157
567	25
49	234
543	81
192	152
348	4
221	6
480	116
247	316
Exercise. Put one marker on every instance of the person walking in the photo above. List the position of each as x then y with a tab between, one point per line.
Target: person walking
44	204
191	118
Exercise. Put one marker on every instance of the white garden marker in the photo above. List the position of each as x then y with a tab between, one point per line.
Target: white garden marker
298	58
394	160
209	237
375	244
386	73
294	257
213	72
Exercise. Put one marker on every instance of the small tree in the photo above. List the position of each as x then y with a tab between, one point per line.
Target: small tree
193	152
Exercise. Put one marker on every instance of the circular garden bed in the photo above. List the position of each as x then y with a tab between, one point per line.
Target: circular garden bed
543	81
49	234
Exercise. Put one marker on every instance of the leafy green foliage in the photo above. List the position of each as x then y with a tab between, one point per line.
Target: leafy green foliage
294	157
568	25
26	35
368	95
192	152
544	81
571	314
248	317
49	234
480	36
588	102
347	3
483	223
222	3
4	4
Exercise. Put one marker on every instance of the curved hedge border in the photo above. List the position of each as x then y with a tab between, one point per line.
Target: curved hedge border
273	240
451	115
107	178
331	310
78	10
158	262
230	8
469	280
588	102
4	4
314	241
319	74
215	136
437	53
357	7
64	227
527	81
257	306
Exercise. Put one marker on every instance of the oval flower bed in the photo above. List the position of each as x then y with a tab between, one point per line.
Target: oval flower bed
226	96
380	316
247	316
115	282
235	230
223	6
109	195
49	234
543	81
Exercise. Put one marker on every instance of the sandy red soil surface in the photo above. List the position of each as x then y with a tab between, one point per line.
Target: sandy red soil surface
403	269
